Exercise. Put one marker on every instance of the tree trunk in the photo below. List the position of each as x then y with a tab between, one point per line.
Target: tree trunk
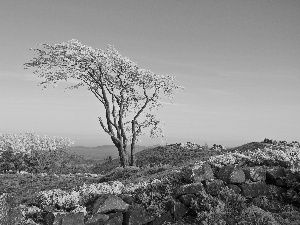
133	140
123	156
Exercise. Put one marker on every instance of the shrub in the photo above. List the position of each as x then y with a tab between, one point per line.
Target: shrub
35	153
120	173
210	210
152	194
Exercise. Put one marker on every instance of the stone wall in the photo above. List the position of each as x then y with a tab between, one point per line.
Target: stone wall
250	182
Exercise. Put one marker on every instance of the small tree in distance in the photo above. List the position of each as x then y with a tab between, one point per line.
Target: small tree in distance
127	92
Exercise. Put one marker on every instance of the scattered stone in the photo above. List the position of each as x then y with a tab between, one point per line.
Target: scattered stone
129	199
73	219
214	187
255	173
281	182
231	175
274	173
97	219
49	218
275	191
58	217
178	210
255	189
203	172
115	219
190	189
137	215
187	199
109	203
234	187
164	218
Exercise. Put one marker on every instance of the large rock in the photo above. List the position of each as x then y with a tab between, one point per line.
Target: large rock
231	175
255	173
177	209
10	213
187	199
164	218
202	172
73	219
214	187
137	215
235	188
58	217
275	191
255	189
275	173
109	203
49	218
129	199
97	219
190	189
115	219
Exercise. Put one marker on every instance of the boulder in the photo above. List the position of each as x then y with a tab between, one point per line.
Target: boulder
109	203
281	182
214	187
73	219
10	213
275	191
115	219
58	217
234	187
164	218
177	209
255	173
190	189
137	215
187	199
255	189
231	174
49	218
274	173
97	219
129	199
202	172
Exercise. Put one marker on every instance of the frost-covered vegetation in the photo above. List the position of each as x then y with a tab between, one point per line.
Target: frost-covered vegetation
152	183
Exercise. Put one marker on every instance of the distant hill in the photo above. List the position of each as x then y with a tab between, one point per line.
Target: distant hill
249	146
100	152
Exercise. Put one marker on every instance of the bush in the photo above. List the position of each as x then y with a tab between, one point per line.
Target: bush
33	153
120	173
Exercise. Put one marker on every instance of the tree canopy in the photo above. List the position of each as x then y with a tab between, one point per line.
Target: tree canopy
128	93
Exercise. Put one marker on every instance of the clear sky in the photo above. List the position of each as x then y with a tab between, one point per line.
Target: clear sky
237	59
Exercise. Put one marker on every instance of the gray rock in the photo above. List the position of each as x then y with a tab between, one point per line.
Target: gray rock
234	187
115	219
255	173
190	189
109	203
97	219
137	215
202	173
214	187
164	218
255	189
178	210
73	219
232	175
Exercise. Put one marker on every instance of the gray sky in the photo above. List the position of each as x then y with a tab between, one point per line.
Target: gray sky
238	60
